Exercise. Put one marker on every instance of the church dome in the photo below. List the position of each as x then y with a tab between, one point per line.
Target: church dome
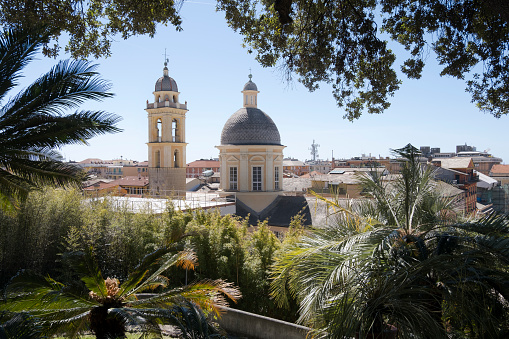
166	83
250	126
250	86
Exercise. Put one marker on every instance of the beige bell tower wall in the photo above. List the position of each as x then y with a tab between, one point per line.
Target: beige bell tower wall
166	138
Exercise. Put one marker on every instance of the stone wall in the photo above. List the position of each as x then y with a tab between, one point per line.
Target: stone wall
254	326
165	179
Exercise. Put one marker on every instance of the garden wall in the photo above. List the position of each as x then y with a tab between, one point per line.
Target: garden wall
254	326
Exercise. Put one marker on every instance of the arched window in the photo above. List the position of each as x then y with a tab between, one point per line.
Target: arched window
175	99
159	129
166	98
245	100
158	159
176	163
174	130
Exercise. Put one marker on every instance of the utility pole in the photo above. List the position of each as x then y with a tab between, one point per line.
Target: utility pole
314	150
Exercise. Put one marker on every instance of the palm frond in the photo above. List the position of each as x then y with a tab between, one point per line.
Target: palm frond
19	326
85	265
207	294
36	120
47	131
17	48
149	271
67	85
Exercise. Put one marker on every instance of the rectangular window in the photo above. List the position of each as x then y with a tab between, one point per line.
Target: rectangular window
257	178
233	179
276	178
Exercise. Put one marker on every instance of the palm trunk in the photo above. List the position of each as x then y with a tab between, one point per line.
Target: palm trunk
104	325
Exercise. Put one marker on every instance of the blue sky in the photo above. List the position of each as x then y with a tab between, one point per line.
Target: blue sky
210	66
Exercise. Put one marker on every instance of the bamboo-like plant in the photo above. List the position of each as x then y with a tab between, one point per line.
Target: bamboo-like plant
110	308
394	260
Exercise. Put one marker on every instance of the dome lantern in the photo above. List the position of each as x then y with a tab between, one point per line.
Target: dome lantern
166	83
250	92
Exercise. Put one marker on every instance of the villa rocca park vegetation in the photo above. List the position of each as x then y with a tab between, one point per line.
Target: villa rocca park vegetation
402	261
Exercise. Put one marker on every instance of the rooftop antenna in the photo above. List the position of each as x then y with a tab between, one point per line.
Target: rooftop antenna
314	150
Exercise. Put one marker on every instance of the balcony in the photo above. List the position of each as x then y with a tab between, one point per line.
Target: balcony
166	104
114	173
172	139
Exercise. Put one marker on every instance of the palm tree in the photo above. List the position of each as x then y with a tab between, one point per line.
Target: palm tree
394	260
109	308
35	122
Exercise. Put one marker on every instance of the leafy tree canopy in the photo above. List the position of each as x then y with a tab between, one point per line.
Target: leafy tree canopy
340	42
91	24
334	41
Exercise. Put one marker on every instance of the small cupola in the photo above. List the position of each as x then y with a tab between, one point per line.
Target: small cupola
166	89
166	83
250	93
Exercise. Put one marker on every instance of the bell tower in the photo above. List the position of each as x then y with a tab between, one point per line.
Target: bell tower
166	138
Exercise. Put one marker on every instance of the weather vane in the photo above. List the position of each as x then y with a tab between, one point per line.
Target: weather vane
250	75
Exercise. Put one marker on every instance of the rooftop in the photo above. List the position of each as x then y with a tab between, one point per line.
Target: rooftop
456	162
204	163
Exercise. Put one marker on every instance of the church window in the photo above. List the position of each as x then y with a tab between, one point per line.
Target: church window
158	159
246	100
257	178
175	159
175	98
166	98
233	179
276	178
174	130
159	127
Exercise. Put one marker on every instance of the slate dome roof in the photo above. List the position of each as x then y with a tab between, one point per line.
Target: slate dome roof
250	86
166	83
250	126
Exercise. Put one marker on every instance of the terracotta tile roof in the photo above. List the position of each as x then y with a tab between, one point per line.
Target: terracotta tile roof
204	163
309	175
91	161
99	186
500	170
131	181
